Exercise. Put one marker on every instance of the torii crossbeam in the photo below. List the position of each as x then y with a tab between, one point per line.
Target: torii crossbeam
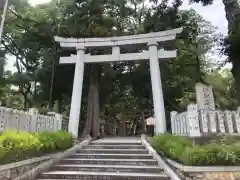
116	43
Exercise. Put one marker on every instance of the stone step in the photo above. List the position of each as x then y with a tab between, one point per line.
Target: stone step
106	168
101	146
113	151
116	143
139	162
67	175
111	156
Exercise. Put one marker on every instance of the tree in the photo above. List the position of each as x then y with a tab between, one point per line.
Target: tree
232	42
120	91
223	88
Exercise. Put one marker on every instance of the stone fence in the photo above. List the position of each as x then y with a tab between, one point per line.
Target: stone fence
29	121
196	122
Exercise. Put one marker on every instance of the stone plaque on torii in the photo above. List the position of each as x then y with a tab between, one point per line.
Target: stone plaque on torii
142	40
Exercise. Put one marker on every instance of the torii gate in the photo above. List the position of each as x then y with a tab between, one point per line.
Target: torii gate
141	40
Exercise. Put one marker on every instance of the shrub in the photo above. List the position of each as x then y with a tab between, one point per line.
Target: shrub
55	141
171	146
16	145
181	150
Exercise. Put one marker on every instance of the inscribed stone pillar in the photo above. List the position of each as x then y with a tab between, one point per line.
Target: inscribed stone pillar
205	98
77	93
158	101
193	120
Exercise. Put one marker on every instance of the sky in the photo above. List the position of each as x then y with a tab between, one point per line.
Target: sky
214	13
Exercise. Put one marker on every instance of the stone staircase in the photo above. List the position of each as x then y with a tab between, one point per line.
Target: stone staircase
108	159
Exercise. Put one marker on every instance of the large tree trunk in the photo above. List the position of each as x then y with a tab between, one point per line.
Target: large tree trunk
232	9
122	128
88	122
236	75
92	124
96	112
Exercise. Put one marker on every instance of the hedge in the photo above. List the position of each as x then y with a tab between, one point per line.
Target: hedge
182	150
16	146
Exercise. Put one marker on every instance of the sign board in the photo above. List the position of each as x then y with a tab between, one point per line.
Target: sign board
205	98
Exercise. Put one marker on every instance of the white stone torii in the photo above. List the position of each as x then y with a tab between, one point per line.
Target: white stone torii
153	54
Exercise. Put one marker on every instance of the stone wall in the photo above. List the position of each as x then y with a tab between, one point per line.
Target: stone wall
29	121
13	170
205	172
209	175
195	123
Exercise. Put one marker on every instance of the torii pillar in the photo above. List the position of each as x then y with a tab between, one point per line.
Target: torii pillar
157	92
77	92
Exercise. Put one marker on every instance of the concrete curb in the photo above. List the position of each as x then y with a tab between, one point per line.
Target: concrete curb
159	159
32	174
202	169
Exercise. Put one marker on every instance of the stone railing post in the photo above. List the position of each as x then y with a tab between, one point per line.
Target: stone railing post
221	122
212	121
2	119
203	121
236	120
185	124
193	120
229	121
57	120
174	122
34	116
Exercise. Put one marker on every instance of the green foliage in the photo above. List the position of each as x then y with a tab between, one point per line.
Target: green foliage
52	141
15	146
181	150
171	146
223	87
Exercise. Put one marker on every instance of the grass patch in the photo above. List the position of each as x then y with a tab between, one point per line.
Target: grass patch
221	152
17	146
